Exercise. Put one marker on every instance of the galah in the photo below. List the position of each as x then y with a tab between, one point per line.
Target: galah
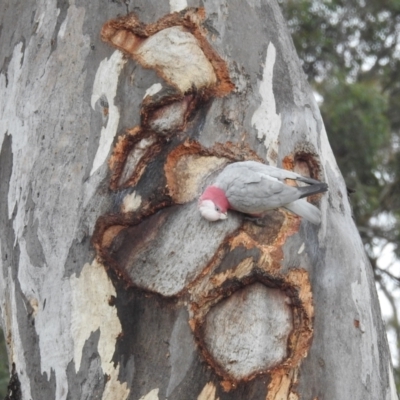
254	188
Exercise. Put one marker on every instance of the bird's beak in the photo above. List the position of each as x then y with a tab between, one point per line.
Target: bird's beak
223	215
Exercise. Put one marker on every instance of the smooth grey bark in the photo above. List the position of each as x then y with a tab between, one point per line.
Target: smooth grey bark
120	290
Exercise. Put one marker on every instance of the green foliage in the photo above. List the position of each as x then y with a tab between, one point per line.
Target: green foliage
358	127
351	54
4	374
341	36
359	132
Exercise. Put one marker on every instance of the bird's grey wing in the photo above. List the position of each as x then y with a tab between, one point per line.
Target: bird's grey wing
236	174
258	197
278	173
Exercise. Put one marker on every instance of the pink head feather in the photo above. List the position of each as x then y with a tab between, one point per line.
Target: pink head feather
217	196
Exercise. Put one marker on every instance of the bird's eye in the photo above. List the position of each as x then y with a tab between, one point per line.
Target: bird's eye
217	209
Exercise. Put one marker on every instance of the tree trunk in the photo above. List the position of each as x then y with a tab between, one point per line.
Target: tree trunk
112	285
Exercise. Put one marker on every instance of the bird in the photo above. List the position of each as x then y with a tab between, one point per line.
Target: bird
254	188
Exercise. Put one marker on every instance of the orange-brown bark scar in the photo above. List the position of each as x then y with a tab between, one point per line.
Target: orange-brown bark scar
245	255
128	34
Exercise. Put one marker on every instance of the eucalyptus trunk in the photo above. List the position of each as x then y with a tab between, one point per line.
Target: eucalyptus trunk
112	285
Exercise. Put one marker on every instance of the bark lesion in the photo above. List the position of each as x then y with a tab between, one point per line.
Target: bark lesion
168	114
162	165
305	161
128	34
259	252
249	267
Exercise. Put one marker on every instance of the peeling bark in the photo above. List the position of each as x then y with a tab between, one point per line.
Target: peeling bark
114	117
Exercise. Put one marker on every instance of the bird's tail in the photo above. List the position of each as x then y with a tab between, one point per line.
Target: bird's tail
306	210
320	187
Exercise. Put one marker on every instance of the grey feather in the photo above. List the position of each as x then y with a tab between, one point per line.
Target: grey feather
254	188
306	210
318	187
